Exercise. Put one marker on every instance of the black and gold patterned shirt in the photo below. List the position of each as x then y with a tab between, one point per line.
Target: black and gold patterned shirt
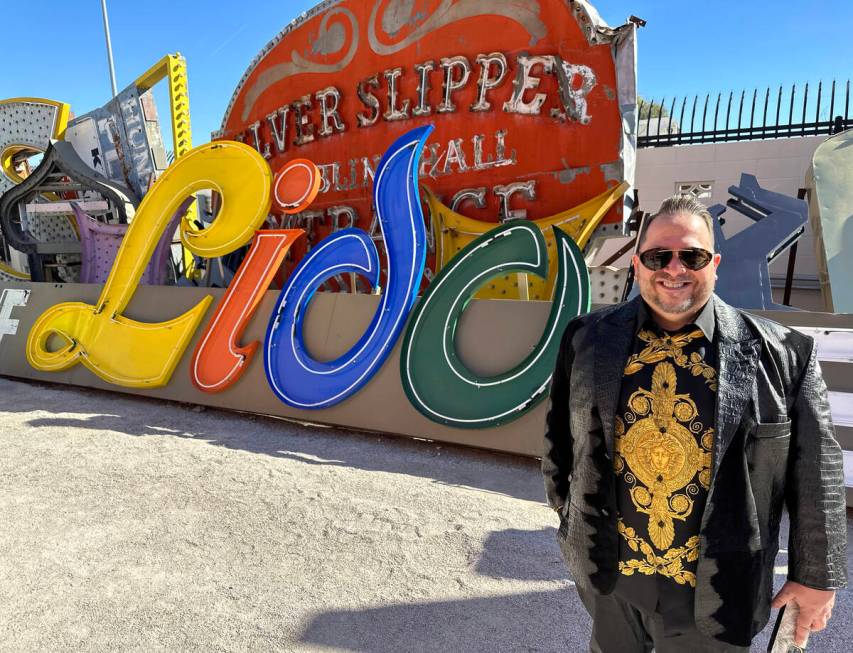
664	438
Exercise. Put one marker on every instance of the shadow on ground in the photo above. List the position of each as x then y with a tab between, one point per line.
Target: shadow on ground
522	555
132	415
542	621
519	622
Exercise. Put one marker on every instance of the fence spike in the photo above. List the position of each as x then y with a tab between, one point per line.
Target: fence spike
817	110
729	109
671	116
716	111
752	111
740	110
764	117
778	104
704	114
693	113
791	109
649	117
831	106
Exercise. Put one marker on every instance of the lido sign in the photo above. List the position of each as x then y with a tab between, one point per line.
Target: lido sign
126	352
559	99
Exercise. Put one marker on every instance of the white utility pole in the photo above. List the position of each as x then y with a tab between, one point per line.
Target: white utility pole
109	47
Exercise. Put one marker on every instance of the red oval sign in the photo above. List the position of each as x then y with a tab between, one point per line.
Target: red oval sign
532	104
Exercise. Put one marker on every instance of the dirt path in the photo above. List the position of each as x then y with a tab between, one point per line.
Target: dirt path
133	524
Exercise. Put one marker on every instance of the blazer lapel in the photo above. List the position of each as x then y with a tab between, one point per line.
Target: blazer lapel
737	357
612	346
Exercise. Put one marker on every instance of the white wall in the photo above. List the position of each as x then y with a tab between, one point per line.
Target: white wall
779	164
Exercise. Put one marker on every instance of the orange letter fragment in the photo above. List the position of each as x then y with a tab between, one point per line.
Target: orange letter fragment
219	360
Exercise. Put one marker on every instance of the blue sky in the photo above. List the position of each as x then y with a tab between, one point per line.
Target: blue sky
687	47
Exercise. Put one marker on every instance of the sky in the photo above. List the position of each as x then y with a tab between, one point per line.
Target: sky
687	47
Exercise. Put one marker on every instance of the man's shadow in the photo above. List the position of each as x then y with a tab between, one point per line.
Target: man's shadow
548	619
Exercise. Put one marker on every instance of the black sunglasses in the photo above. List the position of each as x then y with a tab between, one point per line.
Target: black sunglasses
693	258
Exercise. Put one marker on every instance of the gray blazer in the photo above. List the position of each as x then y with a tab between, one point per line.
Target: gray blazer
775	445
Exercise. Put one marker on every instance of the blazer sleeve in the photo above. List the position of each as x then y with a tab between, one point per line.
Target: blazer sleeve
557	455
814	490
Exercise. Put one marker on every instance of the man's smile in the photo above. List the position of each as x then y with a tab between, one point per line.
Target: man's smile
673	285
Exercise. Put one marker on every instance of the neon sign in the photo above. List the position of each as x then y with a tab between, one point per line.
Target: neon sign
522	131
524	126
298	379
219	360
130	353
436	380
124	351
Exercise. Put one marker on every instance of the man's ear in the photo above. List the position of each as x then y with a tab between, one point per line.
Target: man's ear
635	263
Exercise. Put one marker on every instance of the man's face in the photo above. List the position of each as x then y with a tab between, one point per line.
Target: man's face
675	292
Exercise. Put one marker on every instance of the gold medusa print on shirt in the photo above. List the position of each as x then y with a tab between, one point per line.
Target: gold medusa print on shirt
663	453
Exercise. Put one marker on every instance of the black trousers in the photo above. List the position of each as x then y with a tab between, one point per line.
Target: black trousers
620	627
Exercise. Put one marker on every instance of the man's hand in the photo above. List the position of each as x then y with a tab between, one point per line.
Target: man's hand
815	607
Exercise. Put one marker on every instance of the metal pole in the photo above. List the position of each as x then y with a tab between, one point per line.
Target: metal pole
109	47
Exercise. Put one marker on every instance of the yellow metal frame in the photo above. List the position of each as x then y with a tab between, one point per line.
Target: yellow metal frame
15	275
174	67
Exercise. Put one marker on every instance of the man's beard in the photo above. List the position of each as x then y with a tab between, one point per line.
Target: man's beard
698	295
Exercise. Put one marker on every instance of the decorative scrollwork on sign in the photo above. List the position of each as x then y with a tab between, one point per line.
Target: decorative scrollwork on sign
294	375
329	40
398	13
453	231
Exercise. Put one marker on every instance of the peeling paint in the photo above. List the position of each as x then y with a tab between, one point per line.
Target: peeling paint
568	175
329	41
574	99
397	14
526	81
609	92
612	171
591	24
11	298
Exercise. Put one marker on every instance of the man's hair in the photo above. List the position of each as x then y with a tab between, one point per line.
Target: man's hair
675	205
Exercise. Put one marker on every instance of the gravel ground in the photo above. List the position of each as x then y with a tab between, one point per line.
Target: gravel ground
129	524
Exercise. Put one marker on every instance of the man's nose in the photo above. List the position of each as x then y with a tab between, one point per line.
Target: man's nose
675	266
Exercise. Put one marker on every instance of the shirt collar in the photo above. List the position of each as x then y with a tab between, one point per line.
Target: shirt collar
705	320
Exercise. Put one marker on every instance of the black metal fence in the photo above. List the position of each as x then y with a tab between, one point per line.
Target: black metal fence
749	118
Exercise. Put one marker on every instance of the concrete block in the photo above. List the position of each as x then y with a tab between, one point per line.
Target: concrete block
729	172
654	156
740	150
693	153
783	168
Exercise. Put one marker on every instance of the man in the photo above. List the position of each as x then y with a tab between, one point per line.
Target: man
678	428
